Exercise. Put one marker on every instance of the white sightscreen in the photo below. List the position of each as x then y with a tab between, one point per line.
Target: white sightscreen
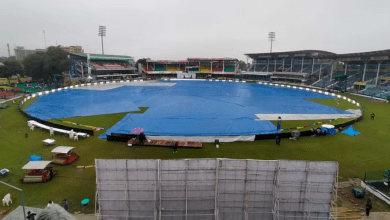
201	189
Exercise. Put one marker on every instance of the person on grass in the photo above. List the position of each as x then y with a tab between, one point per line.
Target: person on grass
368	206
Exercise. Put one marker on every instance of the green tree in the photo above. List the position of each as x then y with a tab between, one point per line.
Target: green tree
4	71
34	64
43	65
242	65
12	68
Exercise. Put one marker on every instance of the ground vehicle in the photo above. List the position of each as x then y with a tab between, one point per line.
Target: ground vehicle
64	155
39	172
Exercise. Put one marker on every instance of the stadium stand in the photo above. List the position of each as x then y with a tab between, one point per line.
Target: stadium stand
321	67
230	69
202	67
160	67
5	94
172	67
102	66
205	67
217	67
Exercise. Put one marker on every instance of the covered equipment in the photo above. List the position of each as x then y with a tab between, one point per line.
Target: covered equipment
63	155
328	129
39	172
4	172
35	158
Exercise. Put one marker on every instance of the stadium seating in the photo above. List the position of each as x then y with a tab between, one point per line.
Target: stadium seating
193	70
217	67
205	68
230	69
6	94
98	67
160	67
148	68
114	67
172	67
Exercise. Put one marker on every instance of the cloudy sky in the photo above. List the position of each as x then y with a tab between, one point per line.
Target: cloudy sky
177	29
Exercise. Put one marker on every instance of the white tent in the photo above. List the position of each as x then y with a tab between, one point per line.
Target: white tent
36	165
49	141
62	149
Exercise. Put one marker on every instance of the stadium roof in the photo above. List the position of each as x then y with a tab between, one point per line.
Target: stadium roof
319	54
365	54
104	56
298	53
209	59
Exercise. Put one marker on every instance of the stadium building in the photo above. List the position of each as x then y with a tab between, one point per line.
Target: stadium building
322	69
72	49
21	53
102	66
192	68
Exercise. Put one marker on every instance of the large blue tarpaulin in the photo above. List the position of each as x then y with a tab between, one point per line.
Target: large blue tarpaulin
187	109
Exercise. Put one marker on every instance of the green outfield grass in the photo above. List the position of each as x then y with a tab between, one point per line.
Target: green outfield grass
355	155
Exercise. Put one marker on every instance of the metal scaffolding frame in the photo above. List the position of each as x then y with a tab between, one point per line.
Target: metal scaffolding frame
216	189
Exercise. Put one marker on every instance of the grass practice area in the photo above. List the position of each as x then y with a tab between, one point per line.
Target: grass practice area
366	152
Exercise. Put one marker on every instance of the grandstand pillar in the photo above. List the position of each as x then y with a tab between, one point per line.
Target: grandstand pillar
283	65
291	64
89	63
223	65
312	67
267	64
364	71
377	73
303	58
319	77
346	67
211	65
275	66
331	72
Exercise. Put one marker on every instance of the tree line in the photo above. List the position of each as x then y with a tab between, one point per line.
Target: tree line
41	66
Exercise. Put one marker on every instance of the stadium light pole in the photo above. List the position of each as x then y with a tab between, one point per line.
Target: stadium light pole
102	33
44	36
271	37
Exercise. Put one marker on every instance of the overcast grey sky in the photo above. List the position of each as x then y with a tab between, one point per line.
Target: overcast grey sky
177	29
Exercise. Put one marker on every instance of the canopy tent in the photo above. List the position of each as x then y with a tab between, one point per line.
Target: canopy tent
49	141
36	165
62	149
351	131
35	158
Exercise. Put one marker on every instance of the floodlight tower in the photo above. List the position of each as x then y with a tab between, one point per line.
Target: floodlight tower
271	37
9	53
102	33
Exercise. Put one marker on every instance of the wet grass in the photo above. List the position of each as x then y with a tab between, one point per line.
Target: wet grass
355	155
